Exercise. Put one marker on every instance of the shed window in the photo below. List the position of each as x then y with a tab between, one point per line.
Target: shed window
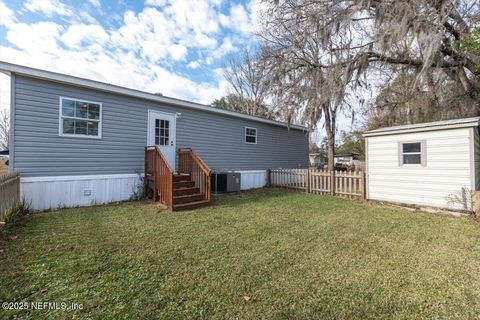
80	118
251	135
412	153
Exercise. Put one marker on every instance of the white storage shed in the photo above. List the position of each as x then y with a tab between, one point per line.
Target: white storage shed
434	164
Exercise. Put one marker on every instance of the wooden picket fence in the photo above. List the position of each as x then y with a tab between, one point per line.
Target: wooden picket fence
9	192
347	184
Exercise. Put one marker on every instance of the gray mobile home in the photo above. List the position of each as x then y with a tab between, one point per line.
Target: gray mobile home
80	142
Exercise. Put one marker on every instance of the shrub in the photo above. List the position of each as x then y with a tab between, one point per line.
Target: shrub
13	214
138	192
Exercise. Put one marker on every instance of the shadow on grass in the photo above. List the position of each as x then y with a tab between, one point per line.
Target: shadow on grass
247	196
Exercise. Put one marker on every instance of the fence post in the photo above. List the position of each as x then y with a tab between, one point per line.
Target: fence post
332	182
9	192
476	203
362	185
308	181
269	178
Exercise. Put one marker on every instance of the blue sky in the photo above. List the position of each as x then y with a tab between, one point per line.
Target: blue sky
176	47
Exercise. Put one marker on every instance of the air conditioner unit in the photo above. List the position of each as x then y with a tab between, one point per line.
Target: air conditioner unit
225	181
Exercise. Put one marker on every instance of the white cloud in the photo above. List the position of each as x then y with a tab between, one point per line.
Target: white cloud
225	48
76	35
238	19
159	3
135	54
95	3
204	41
193	65
48	7
177	52
257	9
7	17
4	91
34	37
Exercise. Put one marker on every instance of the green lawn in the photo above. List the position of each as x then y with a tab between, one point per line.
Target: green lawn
295	255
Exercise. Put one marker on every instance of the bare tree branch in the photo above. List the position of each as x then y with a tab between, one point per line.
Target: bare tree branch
4	129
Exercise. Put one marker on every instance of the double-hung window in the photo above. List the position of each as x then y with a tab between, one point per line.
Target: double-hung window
250	135
80	118
412	153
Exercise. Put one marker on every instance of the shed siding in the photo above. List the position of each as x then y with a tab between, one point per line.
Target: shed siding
219	139
477	157
448	168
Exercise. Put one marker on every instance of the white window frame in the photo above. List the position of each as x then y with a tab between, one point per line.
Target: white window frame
422	153
69	135
249	135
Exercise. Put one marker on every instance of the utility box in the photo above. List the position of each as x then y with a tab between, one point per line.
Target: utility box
225	181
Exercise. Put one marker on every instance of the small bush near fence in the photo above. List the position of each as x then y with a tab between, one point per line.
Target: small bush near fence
13	214
345	183
9	194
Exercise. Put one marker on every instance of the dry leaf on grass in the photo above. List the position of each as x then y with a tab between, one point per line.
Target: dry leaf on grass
249	299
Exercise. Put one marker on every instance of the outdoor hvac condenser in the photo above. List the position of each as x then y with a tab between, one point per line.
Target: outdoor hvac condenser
225	181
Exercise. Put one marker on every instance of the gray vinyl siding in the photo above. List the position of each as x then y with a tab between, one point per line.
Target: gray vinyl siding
219	139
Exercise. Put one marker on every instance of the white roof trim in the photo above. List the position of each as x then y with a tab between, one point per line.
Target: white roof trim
428	126
8	68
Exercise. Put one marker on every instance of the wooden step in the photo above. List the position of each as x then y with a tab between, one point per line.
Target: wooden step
183	184
181	177
185	191
191	205
188	198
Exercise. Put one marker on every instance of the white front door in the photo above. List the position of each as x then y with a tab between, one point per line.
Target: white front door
161	132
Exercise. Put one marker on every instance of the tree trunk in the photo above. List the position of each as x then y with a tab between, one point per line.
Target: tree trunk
330	129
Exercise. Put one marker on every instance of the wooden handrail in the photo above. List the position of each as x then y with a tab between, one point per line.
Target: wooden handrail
199	160
158	170
189	162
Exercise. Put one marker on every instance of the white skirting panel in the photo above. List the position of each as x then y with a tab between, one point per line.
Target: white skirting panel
45	193
251	179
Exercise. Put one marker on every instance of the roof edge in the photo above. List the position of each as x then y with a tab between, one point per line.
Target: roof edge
427	126
6	67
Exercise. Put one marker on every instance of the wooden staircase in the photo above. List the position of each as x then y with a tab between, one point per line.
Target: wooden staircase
186	195
189	188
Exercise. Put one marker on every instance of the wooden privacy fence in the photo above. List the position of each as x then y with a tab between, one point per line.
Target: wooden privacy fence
9	192
345	184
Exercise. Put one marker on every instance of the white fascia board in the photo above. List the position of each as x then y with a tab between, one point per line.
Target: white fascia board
7	68
421	129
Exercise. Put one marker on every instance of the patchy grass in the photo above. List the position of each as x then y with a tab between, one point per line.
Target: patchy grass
262	254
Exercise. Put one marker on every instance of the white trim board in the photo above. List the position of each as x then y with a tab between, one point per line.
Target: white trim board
9	68
427	126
